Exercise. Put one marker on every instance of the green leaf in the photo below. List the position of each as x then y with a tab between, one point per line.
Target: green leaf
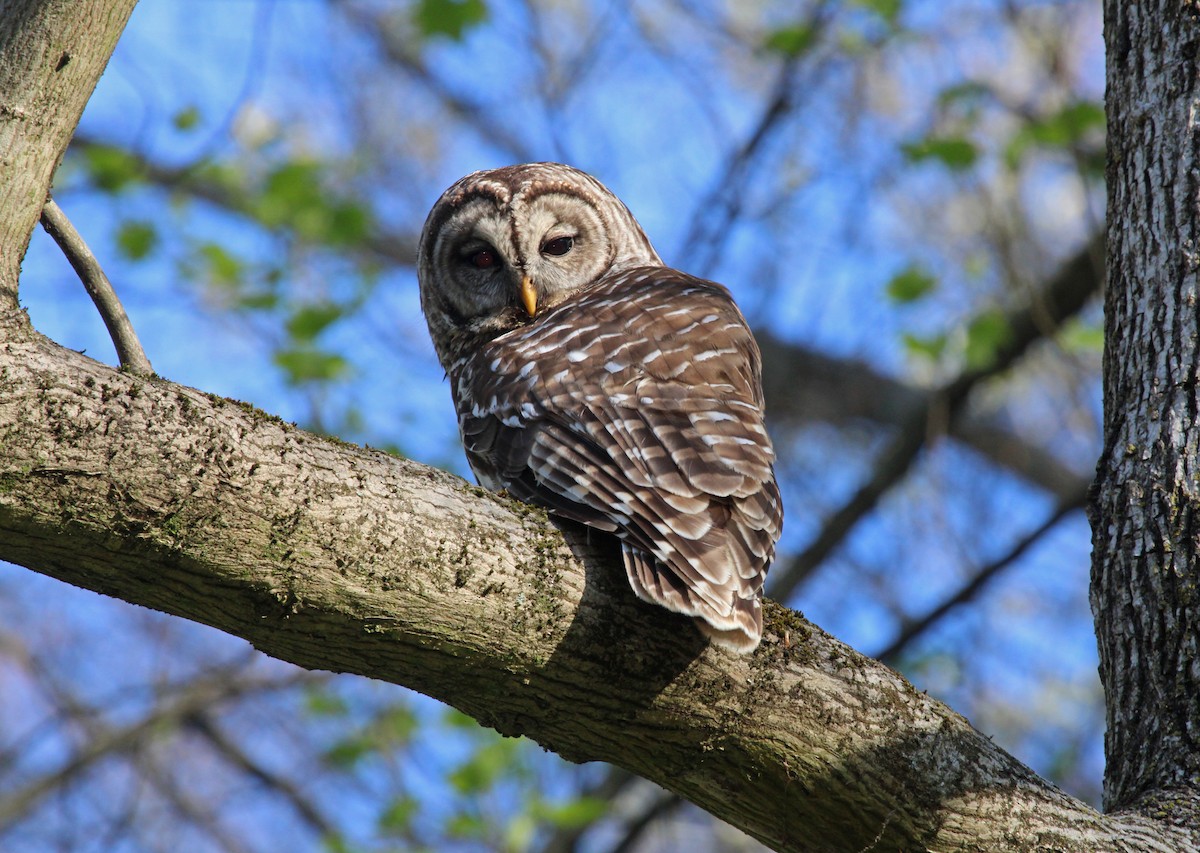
481	771
910	284
263	300
955	152
1070	123
472	777
1081	337
456	719
1064	129
464	825
310	320
575	813
221	267
971	90
186	119
293	196
337	844
136	239
791	41
519	833
320	702
888	10
348	752
111	168
449	18
395	727
346	224
289	191
397	817
306	364
930	348
986	334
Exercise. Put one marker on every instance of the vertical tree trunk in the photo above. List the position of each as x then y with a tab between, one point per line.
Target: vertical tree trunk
1146	533
44	85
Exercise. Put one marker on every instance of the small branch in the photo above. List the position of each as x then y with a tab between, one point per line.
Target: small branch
1062	298
129	349
661	807
397	54
197	181
191	699
566	838
971	588
204	817
709	228
203	724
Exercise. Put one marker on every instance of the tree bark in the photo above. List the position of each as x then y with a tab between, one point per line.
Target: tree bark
52	52
345	559
1146	567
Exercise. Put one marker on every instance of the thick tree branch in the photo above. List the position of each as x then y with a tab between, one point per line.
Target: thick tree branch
344	559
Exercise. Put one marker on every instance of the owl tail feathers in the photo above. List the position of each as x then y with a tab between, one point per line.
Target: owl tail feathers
741	640
738	630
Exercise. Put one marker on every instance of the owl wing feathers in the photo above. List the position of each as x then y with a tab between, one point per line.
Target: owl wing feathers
636	409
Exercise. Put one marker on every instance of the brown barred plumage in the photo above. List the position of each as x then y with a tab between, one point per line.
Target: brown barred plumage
593	380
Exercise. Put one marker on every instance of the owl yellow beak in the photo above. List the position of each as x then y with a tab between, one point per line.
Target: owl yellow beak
528	295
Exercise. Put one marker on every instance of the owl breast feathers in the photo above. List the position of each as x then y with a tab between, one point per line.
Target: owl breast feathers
606	387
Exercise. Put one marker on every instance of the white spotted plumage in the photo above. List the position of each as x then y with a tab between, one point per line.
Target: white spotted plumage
593	380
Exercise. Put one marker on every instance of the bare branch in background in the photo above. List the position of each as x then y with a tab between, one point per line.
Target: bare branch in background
615	780
199	815
208	728
657	809
979	579
190	699
399	54
710	225
1062	298
387	247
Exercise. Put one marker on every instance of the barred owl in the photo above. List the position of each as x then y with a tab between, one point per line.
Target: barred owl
596	382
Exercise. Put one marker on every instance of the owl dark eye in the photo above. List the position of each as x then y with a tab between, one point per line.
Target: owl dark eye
483	259
558	246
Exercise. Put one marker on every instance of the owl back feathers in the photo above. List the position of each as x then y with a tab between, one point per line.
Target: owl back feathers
635	407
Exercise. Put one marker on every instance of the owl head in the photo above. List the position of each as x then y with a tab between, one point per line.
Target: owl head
501	247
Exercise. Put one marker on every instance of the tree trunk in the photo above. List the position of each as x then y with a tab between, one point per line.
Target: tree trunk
1146	529
344	559
52	52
